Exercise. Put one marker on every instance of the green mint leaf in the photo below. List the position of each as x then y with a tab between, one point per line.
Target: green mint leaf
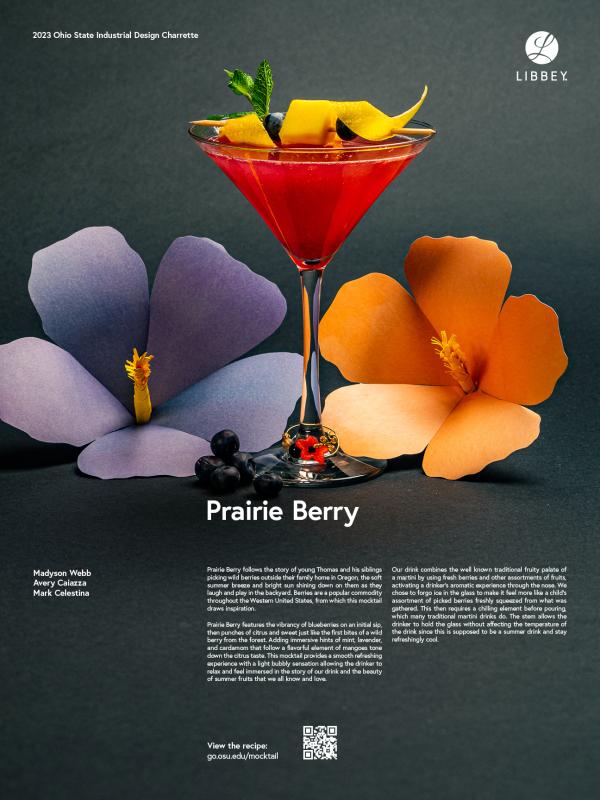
262	89
240	83
229	116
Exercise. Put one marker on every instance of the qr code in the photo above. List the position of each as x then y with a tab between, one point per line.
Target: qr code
319	742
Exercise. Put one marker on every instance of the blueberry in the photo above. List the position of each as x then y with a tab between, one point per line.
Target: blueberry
273	123
344	132
205	466
245	466
224	444
268	485
225	479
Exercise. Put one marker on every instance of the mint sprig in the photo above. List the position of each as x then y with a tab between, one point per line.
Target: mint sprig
257	90
240	83
262	90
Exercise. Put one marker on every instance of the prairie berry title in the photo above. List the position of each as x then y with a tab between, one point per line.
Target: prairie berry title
263	512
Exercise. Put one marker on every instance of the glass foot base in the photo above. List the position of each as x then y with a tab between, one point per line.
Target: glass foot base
337	470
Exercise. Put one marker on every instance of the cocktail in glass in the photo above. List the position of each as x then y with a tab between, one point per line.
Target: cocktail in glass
311	198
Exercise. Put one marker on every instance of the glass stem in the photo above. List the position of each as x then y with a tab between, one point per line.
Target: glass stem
310	408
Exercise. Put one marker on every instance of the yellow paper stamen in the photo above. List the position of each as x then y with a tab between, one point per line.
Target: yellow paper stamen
138	370
454	360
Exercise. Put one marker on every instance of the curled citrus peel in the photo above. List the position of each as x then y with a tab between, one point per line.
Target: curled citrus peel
246	130
368	122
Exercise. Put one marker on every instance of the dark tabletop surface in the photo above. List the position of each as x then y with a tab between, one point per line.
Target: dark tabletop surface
106	698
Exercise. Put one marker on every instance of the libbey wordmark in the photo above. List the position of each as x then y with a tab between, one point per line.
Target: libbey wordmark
541	48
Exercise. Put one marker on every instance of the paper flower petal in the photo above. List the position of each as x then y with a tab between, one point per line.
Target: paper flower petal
374	332
460	284
386	420
206	310
143	451
254	397
526	353
480	430
45	392
91	292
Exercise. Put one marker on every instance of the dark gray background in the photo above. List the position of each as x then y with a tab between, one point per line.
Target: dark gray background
105	697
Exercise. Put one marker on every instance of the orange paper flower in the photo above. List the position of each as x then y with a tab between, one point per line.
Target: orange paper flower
448	369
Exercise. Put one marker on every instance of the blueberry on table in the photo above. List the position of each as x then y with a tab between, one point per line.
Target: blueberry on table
205	466
224	444
245	466
273	123
344	132
225	479
268	485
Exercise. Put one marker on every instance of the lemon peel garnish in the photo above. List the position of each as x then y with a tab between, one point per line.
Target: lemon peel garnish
369	122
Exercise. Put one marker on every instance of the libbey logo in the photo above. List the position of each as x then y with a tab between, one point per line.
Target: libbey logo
541	48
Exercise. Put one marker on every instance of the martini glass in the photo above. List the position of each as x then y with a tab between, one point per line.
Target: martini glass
311	198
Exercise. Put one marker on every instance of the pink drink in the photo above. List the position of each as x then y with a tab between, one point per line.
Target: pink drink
311	200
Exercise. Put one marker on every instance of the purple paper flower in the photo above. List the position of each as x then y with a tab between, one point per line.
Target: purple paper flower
206	309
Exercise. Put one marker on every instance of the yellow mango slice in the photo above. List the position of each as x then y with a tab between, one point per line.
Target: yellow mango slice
246	130
309	122
369	122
